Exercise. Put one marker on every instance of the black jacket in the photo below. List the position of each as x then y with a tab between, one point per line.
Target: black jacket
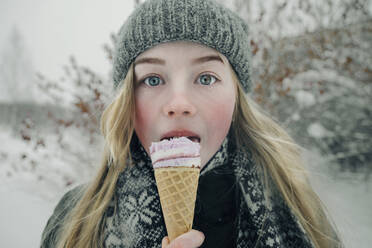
216	208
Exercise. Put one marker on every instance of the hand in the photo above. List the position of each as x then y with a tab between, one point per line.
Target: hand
191	239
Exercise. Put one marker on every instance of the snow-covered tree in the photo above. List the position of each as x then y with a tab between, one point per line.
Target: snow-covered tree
69	149
16	73
312	69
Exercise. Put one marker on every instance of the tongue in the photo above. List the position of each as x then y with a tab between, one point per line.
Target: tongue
193	139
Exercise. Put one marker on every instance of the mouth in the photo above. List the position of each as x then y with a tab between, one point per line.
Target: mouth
181	133
192	138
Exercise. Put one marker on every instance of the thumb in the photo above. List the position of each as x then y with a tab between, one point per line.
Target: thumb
165	241
190	239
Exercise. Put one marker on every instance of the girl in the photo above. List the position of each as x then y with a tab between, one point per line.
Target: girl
181	68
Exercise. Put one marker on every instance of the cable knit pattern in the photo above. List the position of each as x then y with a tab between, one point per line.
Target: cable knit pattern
202	21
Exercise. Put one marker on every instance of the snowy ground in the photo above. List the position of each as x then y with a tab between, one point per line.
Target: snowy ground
23	215
31	183
27	202
348	198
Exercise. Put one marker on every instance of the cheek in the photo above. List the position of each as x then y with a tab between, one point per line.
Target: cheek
142	115
142	123
144	109
221	114
218	122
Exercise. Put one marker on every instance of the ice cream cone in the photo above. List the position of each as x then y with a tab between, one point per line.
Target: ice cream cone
177	188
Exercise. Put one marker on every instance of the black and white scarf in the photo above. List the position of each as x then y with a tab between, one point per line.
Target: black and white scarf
134	217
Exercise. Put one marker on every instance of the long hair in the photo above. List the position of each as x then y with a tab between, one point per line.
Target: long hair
280	159
83	225
271	146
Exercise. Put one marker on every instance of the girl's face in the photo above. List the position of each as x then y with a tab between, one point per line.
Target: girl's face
183	87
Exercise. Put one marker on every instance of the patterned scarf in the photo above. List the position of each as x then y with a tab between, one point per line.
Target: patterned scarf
134	217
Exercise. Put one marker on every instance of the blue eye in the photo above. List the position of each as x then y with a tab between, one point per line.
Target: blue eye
207	79
152	81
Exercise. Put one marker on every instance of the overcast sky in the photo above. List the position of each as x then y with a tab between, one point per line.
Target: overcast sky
53	30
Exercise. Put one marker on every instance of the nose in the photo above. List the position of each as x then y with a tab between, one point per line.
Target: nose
179	105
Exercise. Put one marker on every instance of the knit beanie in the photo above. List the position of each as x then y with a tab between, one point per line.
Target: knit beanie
202	21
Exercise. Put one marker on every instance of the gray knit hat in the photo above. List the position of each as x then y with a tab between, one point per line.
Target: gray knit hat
202	21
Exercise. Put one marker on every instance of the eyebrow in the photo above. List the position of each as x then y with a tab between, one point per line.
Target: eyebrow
162	62
207	58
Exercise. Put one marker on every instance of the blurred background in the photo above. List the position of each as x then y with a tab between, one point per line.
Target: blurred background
312	72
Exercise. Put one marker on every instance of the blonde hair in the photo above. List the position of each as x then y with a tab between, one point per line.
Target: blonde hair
83	225
271	146
280	159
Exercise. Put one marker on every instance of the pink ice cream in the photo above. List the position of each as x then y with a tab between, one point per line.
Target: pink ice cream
175	152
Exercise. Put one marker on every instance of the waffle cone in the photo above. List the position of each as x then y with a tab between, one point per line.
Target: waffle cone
177	188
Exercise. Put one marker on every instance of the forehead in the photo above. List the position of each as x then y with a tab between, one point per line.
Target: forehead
185	49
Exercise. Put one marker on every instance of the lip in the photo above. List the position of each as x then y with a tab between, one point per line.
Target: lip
180	133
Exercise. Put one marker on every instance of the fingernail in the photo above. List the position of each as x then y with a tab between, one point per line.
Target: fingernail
202	235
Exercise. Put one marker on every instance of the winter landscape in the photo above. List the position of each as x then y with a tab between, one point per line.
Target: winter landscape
312	65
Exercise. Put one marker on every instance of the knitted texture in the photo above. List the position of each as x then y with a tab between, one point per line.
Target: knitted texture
134	217
201	21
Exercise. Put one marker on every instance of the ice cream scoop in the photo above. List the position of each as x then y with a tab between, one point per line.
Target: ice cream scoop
176	165
175	152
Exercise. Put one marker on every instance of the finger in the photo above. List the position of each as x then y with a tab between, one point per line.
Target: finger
165	242
190	239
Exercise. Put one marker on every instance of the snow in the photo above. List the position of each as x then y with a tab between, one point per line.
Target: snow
326	75
42	168
348	198
23	215
317	130
31	184
295	116
304	99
